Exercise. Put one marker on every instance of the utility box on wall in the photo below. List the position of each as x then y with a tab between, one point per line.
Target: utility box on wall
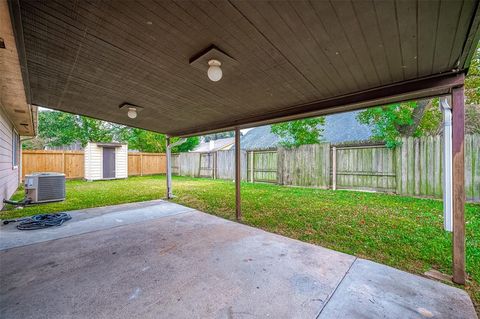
106	161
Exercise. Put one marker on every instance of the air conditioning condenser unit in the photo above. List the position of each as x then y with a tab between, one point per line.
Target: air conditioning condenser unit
45	187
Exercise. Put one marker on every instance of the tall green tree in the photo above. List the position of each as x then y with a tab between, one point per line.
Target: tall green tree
472	81
390	122
299	132
59	128
147	141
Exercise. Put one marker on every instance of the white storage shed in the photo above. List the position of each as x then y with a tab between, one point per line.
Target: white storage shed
106	161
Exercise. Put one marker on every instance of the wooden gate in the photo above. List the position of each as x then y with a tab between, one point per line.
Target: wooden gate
262	166
207	165
364	168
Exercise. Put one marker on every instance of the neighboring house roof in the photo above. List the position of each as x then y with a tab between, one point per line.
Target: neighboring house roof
339	128
344	127
259	138
215	145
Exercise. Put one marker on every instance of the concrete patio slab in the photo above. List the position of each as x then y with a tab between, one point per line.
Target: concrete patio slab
372	290
91	219
187	264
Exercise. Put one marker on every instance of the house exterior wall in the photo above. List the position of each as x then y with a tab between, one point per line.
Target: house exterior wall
94	162
9	174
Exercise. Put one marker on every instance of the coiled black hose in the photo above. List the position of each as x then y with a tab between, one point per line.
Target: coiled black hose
43	221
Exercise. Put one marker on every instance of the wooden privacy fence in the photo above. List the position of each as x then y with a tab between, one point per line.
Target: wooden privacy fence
220	164
419	167
414	168
71	163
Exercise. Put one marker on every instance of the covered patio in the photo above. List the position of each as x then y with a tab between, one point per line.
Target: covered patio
162	260
154	65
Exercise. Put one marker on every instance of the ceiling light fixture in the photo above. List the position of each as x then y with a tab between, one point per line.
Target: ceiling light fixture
214	70
132	112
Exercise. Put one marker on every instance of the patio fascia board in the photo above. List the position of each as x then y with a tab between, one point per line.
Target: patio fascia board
399	92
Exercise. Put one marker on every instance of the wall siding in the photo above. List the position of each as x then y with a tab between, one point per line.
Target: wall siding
9	176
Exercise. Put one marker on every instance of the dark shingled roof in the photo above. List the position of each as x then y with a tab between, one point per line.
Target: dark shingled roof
339	128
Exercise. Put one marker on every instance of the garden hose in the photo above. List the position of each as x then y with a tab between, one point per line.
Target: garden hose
41	221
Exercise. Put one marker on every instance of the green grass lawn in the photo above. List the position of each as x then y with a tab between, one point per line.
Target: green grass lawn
402	232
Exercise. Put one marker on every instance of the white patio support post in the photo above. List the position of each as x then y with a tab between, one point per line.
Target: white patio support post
169	170
238	176
458	181
447	164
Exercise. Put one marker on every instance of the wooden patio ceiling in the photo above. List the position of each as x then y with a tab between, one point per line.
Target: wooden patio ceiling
292	58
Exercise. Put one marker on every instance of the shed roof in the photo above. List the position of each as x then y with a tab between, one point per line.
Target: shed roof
215	145
286	58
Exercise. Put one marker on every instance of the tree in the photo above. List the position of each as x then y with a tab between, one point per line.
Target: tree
299	132
390	122
151	142
472	81
472	119
59	128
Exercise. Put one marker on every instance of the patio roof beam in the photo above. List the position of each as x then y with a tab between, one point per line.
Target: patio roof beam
428	87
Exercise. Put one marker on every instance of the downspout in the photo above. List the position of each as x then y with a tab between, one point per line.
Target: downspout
447	164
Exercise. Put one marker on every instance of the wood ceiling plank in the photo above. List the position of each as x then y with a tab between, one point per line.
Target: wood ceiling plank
343	49
271	26
428	12
284	78
407	29
466	16
447	25
305	47
349	19
365	12
265	58
386	17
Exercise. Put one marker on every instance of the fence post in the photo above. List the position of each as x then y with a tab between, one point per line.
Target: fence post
214	172
334	168
252	168
63	162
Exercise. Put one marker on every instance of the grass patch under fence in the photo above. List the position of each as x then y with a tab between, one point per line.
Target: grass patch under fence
402	232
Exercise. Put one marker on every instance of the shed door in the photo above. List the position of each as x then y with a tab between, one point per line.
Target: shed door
108	162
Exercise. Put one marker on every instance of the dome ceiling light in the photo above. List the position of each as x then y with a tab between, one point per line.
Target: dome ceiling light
214	70
132	110
214	62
